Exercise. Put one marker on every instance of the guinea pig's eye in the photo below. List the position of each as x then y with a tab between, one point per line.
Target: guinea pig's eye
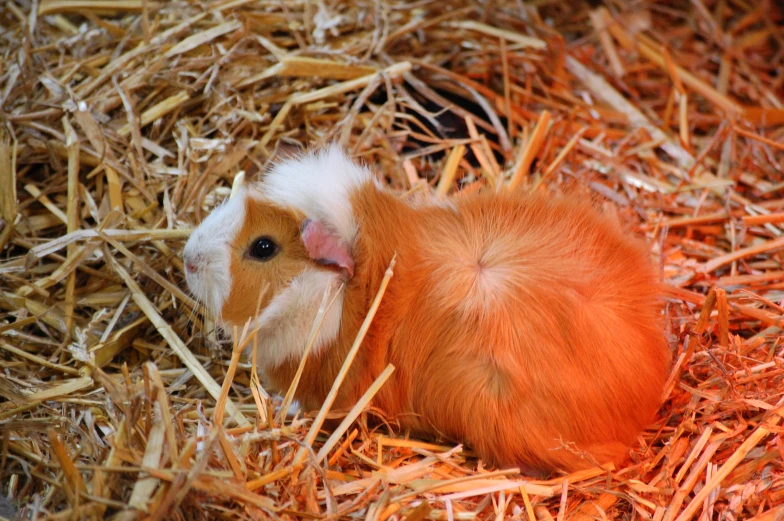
263	248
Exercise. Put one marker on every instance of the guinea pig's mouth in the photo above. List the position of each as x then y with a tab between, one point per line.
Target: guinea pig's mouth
210	286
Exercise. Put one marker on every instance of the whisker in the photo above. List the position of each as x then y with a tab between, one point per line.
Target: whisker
195	308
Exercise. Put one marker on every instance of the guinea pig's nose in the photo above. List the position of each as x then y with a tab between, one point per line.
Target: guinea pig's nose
191	262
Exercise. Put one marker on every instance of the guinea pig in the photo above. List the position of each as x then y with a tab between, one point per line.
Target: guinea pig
526	326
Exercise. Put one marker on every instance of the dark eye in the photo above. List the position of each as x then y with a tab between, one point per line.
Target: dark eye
263	248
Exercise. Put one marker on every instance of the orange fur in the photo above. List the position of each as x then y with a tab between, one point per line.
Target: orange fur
283	226
528	328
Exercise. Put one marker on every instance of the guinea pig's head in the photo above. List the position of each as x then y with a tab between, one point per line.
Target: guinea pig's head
270	251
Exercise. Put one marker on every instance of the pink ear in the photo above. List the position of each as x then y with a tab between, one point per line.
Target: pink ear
325	247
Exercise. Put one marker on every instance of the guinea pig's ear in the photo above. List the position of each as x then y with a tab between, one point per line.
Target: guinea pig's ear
326	247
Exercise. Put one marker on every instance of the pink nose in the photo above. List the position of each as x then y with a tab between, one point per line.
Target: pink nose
192	262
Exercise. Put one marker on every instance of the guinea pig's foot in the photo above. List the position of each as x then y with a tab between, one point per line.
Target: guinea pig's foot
293	409
533	472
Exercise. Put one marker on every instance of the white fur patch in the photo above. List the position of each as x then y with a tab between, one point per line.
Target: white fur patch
285	324
209	248
319	184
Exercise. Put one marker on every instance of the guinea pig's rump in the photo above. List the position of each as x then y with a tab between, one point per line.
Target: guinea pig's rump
535	331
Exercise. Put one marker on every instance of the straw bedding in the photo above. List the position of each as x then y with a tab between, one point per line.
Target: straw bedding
124	122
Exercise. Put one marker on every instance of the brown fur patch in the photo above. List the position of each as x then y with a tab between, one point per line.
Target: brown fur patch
253	279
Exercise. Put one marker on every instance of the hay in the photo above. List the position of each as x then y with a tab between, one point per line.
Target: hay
123	123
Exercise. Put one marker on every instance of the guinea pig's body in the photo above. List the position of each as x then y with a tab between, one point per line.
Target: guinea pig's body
525	327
